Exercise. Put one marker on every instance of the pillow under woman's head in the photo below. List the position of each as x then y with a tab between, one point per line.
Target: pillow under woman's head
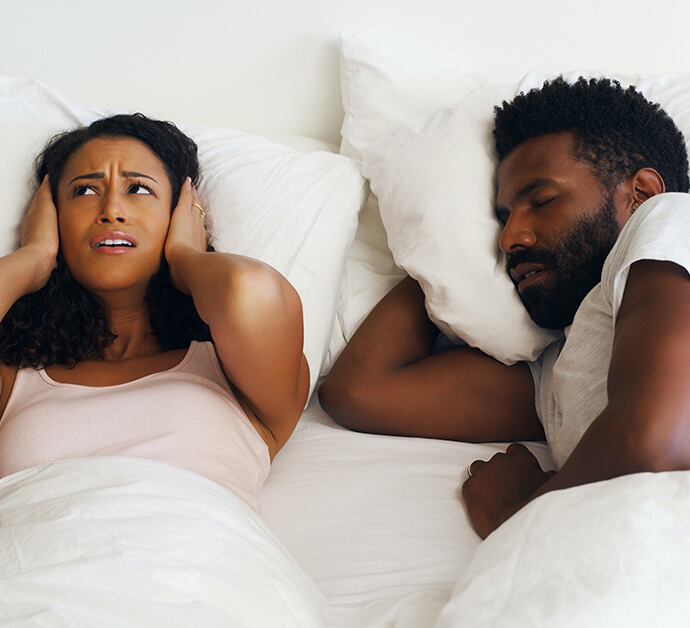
296	211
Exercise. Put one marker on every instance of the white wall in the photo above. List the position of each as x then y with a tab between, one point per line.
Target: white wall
272	65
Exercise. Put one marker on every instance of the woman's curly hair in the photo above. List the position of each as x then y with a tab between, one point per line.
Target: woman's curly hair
63	323
618	131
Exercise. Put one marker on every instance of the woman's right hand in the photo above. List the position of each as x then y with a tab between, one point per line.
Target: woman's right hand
39	235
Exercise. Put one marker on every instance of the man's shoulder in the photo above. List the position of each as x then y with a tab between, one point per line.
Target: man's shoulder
669	208
657	229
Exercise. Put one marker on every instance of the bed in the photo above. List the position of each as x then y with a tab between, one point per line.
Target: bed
331	136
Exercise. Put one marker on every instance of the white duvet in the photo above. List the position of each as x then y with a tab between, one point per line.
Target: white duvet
614	554
129	542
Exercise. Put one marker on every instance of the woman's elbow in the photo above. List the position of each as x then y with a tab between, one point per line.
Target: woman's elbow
256	295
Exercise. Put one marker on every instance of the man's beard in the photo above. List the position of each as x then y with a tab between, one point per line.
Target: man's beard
574	264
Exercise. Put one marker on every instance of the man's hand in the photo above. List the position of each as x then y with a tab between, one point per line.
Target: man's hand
497	489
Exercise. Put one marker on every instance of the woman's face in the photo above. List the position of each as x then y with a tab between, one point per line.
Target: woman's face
113	202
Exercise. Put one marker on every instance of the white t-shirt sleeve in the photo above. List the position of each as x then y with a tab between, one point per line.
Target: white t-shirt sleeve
658	230
571	388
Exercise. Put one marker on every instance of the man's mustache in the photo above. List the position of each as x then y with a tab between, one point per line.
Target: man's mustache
530	256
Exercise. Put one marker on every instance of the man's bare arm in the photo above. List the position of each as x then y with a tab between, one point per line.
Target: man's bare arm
646	425
387	381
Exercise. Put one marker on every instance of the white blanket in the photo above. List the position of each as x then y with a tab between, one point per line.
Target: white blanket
614	554
129	542
123	541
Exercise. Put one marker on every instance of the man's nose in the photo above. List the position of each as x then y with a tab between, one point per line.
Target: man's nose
517	234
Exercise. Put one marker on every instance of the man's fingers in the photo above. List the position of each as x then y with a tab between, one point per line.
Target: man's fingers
515	448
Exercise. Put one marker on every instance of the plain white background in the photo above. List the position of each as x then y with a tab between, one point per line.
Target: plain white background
271	66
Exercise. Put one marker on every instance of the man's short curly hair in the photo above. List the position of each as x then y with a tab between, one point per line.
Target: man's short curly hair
618	131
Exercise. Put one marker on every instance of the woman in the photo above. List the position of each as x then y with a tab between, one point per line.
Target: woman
122	334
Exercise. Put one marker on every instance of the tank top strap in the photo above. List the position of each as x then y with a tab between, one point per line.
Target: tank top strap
202	360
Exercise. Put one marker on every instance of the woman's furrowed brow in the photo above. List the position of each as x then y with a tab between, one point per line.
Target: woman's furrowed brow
90	175
131	173
101	175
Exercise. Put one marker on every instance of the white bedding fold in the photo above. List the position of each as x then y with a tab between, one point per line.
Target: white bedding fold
611	554
124	541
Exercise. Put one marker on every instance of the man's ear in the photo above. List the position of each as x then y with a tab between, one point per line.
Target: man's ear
644	184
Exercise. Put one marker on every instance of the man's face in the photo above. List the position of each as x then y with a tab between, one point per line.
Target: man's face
558	226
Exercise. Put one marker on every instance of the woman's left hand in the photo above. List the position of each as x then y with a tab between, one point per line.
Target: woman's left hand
187	231
498	488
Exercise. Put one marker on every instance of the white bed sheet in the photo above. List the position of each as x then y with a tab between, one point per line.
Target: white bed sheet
377	521
379	524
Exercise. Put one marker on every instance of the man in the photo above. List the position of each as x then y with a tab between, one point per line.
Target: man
576	163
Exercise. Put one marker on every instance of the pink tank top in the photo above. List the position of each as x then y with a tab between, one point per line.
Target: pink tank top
186	416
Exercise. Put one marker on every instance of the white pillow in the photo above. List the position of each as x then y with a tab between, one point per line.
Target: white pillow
433	177
468	293
296	211
380	93
30	113
434	185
